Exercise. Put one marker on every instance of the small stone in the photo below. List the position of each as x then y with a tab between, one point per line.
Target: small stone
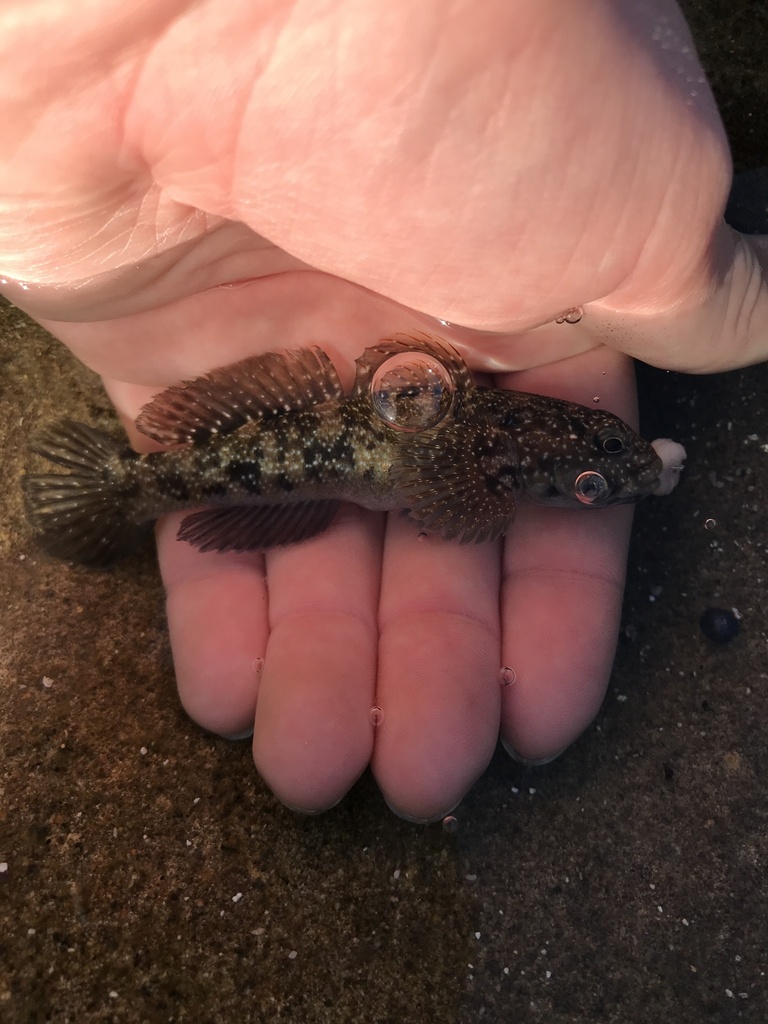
719	625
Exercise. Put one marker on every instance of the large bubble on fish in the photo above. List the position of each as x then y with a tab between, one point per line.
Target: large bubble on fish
590	487
672	456
412	391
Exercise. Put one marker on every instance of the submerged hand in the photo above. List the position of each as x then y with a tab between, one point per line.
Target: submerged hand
214	191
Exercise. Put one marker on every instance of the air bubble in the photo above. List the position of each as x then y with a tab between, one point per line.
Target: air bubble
507	675
257	665
571	316
596	399
590	487
412	391
710	524
450	824
376	716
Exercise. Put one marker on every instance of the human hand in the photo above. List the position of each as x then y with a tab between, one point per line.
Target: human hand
185	185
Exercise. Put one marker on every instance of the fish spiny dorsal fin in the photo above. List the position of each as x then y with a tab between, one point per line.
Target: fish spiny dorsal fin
458	480
399	344
256	388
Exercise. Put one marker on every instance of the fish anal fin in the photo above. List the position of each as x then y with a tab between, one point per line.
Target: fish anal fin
458	481
255	527
256	388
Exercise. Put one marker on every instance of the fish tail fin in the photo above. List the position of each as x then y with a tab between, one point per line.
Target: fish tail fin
87	515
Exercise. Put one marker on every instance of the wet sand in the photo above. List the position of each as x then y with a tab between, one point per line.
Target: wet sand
146	873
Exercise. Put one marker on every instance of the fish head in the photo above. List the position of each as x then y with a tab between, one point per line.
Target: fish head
586	457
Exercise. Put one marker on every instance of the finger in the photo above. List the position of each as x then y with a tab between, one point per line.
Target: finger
218	626
313	732
561	603
438	670
562	586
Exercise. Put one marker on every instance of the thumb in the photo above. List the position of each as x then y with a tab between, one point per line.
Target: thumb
720	325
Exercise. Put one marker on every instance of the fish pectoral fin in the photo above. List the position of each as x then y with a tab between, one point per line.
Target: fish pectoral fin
401	344
255	527
458	481
256	388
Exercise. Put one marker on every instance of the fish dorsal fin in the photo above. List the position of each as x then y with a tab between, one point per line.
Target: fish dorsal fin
255	388
400	344
458	480
256	527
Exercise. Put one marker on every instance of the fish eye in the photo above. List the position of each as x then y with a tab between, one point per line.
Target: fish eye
612	442
590	487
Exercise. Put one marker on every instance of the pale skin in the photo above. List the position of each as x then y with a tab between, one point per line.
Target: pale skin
185	184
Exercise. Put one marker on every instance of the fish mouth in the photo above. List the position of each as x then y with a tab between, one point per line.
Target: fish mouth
646	482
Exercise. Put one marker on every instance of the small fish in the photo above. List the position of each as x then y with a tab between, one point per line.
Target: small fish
269	447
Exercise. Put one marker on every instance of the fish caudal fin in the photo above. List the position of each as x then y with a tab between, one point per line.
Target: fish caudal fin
84	515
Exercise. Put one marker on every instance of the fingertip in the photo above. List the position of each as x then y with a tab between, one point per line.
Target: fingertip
561	670
439	695
213	655
216	606
416	820
422	789
312	792
313	735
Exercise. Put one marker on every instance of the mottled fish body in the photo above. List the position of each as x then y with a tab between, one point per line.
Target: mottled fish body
270	446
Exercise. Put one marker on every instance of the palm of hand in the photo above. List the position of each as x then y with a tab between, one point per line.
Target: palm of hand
299	644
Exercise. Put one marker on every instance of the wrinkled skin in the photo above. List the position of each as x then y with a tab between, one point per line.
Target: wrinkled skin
188	183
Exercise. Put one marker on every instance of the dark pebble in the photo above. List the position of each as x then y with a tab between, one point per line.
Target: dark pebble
719	625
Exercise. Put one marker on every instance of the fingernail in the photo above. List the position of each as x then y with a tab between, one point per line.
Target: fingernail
530	762
244	735
421	821
312	811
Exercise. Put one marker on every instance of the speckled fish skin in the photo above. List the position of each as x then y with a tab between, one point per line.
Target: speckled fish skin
271	445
